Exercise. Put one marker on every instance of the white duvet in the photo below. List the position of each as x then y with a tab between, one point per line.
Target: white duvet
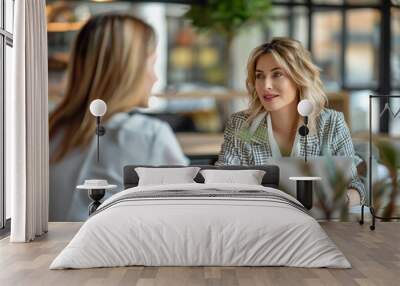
200	231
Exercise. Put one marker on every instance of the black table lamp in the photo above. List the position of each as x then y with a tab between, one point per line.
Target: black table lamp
98	108
305	108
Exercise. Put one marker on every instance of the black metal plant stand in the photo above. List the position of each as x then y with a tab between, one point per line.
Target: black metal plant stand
371	208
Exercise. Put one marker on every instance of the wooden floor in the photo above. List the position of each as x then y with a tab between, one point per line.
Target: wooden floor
374	255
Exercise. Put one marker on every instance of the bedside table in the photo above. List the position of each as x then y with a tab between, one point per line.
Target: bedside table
304	190
96	190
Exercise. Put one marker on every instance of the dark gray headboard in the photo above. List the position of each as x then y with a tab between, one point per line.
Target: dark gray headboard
270	179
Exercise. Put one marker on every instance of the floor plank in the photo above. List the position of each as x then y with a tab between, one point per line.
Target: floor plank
374	255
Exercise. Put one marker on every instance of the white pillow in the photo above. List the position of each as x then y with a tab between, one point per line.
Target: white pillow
248	177
163	176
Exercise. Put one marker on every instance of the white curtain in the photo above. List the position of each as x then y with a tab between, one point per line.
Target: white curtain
27	173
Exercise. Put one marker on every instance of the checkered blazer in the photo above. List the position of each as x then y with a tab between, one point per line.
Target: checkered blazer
332	136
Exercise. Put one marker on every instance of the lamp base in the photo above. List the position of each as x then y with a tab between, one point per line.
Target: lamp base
95	195
304	193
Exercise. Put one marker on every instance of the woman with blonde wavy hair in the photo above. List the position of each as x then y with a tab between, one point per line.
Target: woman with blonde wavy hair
112	59
279	75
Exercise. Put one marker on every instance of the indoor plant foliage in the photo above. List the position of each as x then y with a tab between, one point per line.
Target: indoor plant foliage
337	182
227	17
389	156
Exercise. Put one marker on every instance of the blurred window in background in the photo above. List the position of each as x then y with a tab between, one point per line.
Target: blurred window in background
299	25
363	2
326	47
395	58
395	64
395	121
66	18
362	51
290	1
194	82
287	21
192	57
278	23
354	2
328	1
359	102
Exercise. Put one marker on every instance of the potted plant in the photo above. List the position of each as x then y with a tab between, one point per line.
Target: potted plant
389	156
337	181
227	17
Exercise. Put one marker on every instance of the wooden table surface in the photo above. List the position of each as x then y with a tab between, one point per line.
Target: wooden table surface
200	143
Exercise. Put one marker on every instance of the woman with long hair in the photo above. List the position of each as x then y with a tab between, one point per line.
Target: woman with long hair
279	75
113	60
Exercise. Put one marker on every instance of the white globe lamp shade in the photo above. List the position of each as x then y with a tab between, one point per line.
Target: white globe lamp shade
98	107
305	107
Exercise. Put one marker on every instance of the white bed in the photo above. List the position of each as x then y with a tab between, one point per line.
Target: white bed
250	225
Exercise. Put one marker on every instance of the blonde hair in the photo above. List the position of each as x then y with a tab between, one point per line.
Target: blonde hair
108	62
296	61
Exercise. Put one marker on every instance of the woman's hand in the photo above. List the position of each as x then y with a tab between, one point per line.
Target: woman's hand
353	197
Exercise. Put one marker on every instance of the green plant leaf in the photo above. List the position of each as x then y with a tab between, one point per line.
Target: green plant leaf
228	16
